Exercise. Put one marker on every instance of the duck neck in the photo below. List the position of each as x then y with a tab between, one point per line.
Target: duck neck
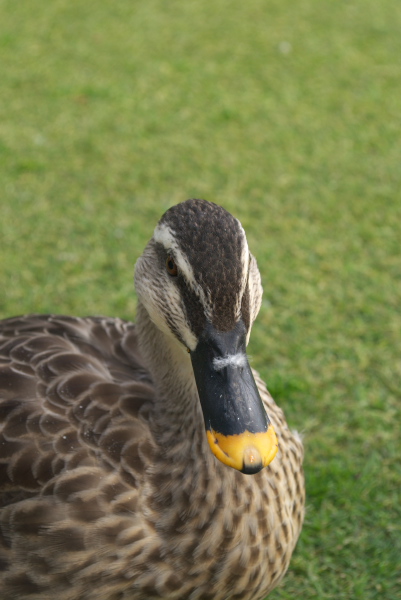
176	420
176	408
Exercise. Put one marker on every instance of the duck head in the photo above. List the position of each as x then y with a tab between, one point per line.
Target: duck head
200	284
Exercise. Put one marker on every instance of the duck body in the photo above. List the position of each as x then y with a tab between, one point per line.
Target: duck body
109	489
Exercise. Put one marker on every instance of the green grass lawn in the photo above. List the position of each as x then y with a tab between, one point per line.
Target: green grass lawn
289	115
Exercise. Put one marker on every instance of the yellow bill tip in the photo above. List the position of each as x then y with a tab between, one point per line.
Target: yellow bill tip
247	452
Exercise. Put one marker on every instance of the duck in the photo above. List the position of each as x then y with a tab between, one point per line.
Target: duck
148	461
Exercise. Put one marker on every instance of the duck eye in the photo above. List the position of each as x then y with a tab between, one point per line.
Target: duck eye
171	266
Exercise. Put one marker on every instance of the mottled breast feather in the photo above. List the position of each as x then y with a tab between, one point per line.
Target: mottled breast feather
91	509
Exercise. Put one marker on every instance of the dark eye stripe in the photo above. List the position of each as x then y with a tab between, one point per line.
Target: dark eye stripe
192	306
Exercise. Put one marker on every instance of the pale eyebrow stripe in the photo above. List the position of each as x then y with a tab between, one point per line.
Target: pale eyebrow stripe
165	236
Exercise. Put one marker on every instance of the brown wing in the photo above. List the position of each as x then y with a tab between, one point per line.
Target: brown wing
74	443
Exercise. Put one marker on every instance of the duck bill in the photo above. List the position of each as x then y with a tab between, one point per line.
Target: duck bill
238	429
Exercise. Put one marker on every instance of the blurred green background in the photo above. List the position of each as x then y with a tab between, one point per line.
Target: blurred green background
289	115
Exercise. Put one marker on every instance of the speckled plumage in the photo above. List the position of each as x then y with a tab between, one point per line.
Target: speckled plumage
108	487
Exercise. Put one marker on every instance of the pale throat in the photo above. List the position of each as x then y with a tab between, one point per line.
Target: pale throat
170	367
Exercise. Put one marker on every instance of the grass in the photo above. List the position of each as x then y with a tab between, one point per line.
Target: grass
286	113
